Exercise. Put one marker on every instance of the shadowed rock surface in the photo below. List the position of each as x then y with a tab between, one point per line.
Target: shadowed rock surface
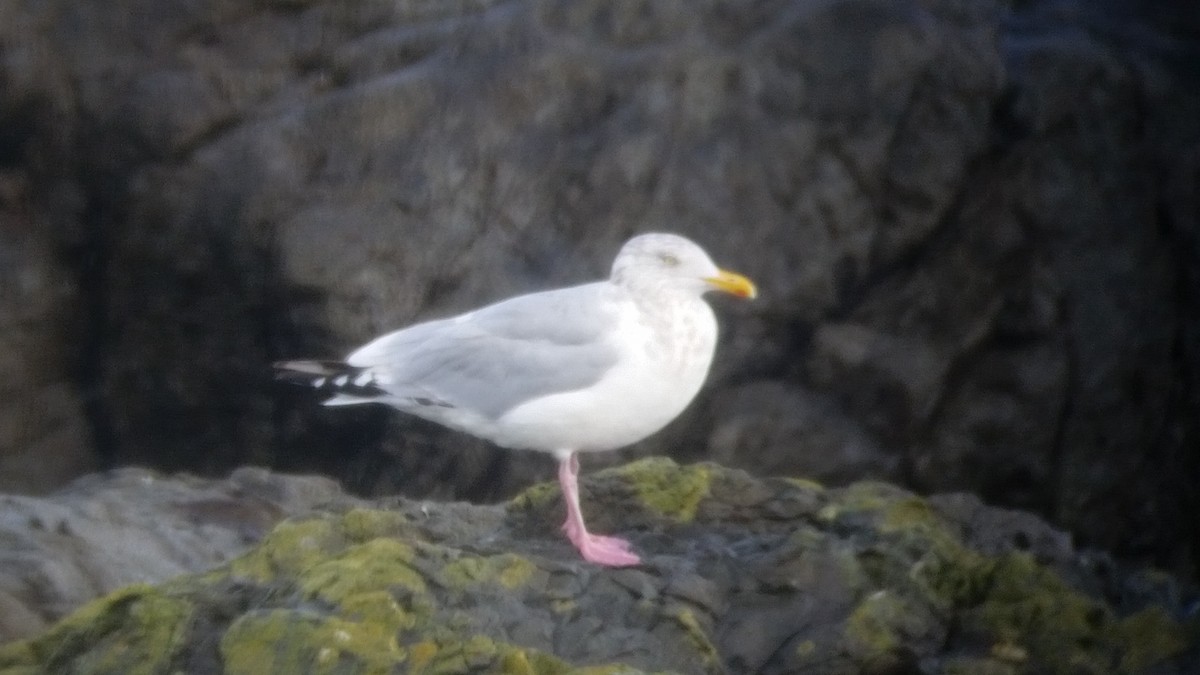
974	224
740	575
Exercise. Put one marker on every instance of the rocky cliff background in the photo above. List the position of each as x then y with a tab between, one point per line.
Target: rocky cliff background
974	225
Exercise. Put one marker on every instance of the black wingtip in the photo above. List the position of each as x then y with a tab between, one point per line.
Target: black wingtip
331	377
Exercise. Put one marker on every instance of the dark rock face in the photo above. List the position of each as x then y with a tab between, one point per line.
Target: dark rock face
44	436
974	227
740	575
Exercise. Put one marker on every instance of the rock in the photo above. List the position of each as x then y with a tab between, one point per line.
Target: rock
45	437
104	532
740	575
1093	332
760	417
973	222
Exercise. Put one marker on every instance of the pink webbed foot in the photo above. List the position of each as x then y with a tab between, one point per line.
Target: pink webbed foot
602	550
598	549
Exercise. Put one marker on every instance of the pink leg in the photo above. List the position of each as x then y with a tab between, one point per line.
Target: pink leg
608	551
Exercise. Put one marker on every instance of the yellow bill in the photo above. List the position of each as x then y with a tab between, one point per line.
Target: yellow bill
733	283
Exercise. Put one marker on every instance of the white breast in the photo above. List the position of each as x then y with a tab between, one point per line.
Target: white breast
665	356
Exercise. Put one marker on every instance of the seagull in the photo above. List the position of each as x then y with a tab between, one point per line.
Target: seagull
586	368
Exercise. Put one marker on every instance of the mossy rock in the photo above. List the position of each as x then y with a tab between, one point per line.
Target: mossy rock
739	574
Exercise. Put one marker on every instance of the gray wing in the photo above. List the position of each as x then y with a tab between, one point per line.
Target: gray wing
498	357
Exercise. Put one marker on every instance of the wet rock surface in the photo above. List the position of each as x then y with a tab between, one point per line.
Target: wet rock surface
740	575
104	532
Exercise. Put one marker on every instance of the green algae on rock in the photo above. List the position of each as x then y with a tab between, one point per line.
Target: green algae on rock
296	641
137	630
654	484
1024	611
667	488
510	571
743	575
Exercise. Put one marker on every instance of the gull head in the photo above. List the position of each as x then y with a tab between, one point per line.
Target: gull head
672	261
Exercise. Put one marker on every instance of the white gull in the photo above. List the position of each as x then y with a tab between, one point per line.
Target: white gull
581	369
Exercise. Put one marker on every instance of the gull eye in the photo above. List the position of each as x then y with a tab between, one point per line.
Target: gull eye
668	259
